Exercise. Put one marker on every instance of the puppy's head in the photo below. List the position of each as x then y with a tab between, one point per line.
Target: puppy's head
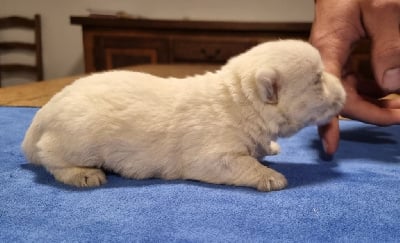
288	76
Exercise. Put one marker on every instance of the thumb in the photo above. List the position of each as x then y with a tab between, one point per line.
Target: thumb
382	20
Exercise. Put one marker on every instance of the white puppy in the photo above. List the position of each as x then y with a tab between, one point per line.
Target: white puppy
210	128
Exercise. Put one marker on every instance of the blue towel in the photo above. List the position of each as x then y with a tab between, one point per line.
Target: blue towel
355	197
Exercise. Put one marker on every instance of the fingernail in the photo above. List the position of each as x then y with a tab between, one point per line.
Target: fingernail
391	80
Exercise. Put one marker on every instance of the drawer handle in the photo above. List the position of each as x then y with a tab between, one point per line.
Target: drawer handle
212	55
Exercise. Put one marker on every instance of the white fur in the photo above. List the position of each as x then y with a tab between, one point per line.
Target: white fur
210	128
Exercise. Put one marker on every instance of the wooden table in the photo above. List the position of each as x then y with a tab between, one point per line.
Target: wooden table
38	93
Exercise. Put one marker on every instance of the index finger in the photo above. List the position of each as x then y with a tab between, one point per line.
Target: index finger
329	135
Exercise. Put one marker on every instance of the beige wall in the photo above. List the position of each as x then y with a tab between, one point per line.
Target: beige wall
63	54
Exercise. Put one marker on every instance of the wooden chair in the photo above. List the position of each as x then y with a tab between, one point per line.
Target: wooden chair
34	47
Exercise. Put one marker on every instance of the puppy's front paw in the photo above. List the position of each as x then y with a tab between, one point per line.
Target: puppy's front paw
271	181
81	177
274	148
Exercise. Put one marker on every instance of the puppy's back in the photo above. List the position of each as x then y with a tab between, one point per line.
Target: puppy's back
91	103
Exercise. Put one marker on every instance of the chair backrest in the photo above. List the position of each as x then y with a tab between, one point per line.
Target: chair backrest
35	46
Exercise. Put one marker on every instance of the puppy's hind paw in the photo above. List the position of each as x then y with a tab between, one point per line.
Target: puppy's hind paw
81	177
272	181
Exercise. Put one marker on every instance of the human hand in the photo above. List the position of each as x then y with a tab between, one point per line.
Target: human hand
337	26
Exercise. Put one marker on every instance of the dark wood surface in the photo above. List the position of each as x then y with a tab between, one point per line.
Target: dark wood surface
189	25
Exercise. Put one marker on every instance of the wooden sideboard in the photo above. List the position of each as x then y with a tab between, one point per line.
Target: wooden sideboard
112	42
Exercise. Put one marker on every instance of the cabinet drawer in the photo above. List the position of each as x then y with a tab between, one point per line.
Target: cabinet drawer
208	51
118	51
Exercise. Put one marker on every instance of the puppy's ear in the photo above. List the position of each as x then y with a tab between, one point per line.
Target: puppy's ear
267	85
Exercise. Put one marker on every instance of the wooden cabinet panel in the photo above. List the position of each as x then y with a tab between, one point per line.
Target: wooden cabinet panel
207	50
116	42
119	51
117	57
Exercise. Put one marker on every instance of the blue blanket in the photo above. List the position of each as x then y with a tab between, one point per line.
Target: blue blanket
353	198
